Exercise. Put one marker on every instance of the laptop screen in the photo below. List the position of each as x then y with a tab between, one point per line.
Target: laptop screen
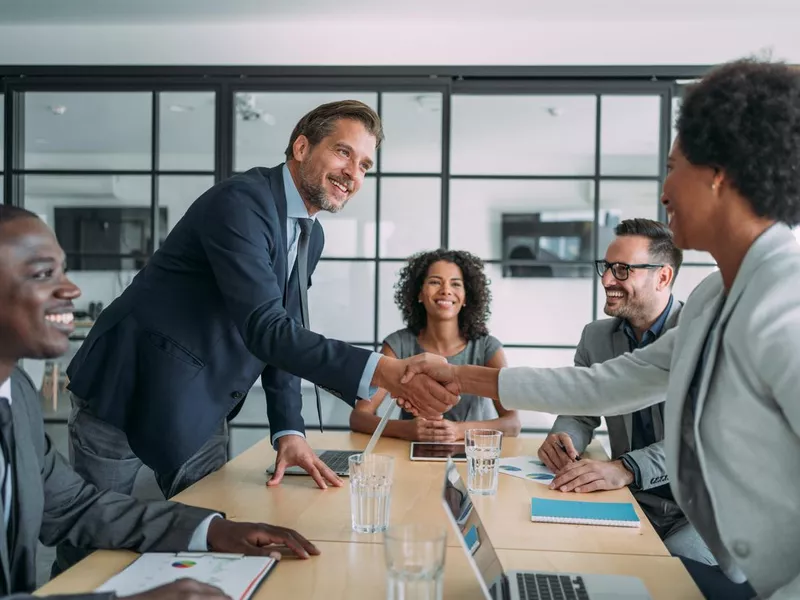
480	551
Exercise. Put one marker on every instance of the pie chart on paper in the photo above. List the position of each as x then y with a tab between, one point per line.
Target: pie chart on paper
183	564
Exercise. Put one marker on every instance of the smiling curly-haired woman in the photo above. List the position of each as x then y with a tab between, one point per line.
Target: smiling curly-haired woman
444	298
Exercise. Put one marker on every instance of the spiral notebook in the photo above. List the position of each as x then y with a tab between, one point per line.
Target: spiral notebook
613	514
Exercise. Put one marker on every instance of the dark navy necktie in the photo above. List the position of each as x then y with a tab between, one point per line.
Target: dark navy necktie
306	225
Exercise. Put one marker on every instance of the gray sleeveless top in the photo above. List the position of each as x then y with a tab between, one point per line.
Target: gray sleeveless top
478	352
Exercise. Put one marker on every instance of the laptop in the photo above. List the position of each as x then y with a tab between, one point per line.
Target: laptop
335	460
497	584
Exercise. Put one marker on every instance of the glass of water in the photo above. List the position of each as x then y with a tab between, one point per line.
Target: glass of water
483	460
370	491
414	561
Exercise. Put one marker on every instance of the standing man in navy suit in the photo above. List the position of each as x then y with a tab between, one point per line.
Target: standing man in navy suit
170	361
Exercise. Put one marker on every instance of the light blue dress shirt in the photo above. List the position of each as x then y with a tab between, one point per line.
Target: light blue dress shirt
296	209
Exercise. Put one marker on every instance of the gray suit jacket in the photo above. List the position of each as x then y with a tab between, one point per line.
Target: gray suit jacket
603	340
54	504
747	418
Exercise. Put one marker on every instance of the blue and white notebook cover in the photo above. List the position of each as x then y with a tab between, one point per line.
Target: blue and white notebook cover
614	514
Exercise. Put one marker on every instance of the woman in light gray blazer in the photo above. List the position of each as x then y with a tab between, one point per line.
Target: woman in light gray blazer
731	369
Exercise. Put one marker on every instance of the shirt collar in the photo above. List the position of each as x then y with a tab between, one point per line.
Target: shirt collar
5	389
655	329
295	207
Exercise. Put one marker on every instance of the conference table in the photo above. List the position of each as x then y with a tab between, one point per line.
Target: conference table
352	565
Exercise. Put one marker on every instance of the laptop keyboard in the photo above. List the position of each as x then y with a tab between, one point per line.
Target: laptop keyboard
542	586
337	459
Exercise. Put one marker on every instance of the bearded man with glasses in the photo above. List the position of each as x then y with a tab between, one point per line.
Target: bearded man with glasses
637	274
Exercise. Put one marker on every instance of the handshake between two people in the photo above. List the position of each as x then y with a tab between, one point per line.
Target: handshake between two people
425	385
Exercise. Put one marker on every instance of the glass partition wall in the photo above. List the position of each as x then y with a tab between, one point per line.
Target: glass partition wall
532	176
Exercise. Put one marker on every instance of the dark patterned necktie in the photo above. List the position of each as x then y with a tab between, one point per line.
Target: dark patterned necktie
7	446
306	225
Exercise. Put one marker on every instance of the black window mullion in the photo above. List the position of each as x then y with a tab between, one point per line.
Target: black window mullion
155	138
377	263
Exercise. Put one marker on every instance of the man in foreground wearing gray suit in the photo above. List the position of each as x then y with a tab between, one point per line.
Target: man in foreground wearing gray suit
638	273
41	497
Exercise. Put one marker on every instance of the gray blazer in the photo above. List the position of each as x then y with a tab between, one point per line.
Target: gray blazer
747	418
54	504
603	340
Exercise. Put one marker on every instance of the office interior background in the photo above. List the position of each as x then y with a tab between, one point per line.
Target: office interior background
521	135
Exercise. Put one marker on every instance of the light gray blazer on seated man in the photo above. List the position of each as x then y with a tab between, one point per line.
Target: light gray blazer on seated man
603	340
733	456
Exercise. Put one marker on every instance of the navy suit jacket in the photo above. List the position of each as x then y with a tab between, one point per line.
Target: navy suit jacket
178	351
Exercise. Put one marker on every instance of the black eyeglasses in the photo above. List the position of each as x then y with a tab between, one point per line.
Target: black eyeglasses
620	270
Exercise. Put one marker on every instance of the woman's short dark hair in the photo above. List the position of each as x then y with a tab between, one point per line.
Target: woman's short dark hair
477	297
320	122
744	119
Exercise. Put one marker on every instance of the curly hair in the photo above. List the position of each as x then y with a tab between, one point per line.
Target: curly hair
744	118
472	317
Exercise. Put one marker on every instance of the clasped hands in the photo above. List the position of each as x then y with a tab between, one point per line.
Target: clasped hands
425	385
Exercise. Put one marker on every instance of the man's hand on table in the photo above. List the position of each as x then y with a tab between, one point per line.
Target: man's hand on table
257	539
293	450
589	475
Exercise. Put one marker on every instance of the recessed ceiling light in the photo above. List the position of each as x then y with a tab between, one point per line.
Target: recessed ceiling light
58	109
180	108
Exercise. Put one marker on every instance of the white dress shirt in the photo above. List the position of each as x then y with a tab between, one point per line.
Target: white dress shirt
5	392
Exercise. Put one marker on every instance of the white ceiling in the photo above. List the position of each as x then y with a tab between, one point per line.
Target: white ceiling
83	12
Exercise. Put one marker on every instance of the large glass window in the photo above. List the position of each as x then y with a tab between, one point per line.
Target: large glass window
538	183
531	180
95	165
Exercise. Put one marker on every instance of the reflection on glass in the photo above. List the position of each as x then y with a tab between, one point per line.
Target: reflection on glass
629	135
342	300
264	122
413	125
537	310
689	277
482	212
389	316
350	233
88	130
620	200
676	108
177	193
102	221
411	215
523	135
186	121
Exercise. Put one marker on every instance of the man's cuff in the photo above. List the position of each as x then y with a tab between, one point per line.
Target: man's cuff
199	539
365	390
633	467
282	433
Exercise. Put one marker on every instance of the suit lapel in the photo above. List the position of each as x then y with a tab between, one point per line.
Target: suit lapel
694	332
28	494
620	345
